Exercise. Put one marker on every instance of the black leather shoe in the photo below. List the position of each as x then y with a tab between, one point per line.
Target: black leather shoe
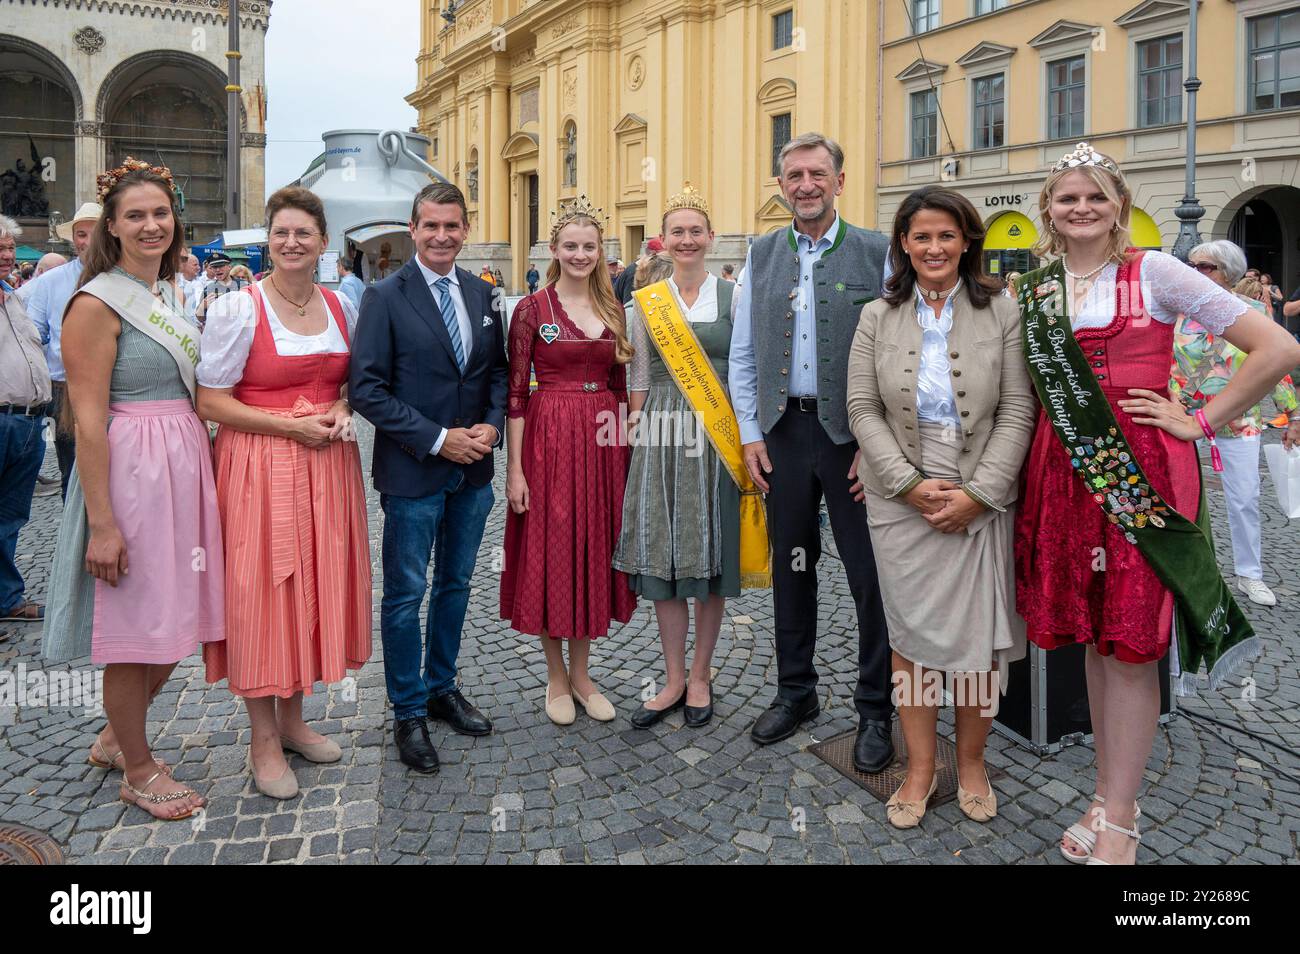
645	717
454	709
414	747
697	716
782	719
874	748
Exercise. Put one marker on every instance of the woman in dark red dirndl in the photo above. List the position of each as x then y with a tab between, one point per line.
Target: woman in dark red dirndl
1078	578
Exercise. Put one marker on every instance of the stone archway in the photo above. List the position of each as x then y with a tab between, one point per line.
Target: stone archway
38	144
1263	221
169	107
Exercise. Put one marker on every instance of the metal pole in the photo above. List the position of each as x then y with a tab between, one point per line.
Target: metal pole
233	89
1190	211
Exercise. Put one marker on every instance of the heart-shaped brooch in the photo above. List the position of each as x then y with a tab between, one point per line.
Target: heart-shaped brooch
549	332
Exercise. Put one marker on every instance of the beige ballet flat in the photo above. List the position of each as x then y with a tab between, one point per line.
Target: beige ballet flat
903	814
560	709
284	787
597	706
980	808
327	751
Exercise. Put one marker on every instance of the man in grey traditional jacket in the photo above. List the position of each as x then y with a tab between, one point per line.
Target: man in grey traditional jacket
795	314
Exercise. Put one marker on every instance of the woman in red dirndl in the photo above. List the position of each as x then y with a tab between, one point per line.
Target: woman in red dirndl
1122	307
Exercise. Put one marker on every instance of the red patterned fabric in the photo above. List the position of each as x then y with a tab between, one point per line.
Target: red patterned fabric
293	518
558	576
1062	533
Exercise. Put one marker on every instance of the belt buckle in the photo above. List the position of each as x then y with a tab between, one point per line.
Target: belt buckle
807	404
590	386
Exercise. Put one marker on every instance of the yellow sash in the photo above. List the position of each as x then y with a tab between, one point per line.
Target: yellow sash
698	382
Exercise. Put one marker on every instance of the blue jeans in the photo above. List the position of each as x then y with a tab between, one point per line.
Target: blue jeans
22	449
449	524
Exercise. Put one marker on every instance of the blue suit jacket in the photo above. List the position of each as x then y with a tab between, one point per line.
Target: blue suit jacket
404	379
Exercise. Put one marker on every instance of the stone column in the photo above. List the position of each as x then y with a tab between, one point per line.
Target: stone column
252	179
91	152
496	171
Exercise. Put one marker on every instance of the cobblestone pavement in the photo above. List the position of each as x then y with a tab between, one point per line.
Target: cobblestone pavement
535	793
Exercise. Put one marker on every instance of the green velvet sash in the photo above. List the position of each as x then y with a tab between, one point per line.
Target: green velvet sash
1210	626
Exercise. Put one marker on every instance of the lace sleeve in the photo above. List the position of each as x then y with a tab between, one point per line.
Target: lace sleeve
523	339
638	372
1170	289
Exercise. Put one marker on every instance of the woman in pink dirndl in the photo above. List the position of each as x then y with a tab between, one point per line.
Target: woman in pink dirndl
138	573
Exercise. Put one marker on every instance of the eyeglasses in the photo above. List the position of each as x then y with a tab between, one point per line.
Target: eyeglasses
1204	268
302	235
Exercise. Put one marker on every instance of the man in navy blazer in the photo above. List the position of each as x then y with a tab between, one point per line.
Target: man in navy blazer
429	371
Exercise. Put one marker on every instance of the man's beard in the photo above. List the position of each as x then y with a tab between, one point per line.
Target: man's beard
811	216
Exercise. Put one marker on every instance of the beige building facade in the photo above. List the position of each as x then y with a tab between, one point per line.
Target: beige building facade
985	95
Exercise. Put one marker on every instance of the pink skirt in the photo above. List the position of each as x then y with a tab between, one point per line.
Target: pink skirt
164	499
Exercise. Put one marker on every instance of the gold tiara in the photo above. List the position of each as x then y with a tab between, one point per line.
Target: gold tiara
1085	155
688	198
579	208
106	181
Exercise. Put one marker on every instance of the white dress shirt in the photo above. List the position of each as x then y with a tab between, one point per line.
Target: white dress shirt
462	317
935	401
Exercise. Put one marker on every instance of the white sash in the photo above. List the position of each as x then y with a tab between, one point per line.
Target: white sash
133	303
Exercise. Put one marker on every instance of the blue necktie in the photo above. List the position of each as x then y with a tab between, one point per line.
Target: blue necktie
448	309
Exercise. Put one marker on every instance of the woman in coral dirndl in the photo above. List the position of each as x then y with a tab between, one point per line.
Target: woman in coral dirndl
293	506
1112	541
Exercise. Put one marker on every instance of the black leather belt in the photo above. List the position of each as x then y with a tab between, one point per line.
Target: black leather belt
24	410
806	404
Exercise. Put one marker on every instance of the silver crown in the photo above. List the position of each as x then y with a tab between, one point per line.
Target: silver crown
1085	155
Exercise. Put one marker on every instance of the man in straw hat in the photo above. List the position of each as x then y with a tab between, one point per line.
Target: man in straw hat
46	302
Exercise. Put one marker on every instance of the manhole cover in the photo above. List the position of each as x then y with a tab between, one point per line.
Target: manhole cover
27	846
837	752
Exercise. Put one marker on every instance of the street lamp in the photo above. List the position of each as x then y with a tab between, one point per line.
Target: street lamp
1189	211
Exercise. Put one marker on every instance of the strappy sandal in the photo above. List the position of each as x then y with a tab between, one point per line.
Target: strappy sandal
100	758
1086	838
1131	832
138	796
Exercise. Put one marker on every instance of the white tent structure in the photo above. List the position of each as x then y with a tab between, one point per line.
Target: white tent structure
367	182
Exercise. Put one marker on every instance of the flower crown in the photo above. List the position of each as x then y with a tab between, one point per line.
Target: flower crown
580	207
688	198
105	182
1085	155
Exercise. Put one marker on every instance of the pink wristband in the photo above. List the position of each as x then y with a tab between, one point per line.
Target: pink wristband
1216	461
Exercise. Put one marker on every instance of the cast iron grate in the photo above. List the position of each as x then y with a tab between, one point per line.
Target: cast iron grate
837	752
20	845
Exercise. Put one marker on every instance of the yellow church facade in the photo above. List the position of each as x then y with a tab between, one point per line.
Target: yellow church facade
529	103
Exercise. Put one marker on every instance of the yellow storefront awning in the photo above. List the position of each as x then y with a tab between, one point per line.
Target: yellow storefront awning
1143	230
1010	230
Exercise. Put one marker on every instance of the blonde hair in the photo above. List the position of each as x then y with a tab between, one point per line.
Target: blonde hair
603	300
1115	188
242	272
1251	288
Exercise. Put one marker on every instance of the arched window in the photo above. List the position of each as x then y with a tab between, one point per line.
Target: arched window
571	155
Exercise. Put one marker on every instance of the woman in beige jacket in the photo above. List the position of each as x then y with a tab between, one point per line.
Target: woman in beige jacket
942	409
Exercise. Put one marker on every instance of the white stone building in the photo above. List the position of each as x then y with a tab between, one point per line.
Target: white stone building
85	83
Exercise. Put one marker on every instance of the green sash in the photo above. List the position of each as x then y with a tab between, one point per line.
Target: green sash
1210	626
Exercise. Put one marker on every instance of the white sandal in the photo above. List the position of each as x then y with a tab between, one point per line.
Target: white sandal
1131	832
1086	838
